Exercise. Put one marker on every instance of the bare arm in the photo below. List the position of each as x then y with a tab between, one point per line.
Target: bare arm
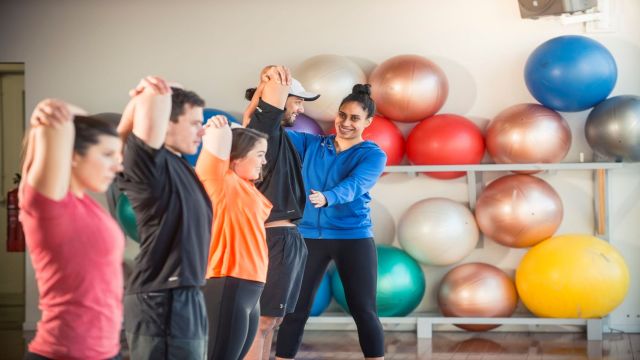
47	165
217	137
276	88
125	126
147	114
273	89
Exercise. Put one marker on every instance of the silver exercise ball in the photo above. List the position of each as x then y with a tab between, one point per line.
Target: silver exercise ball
613	128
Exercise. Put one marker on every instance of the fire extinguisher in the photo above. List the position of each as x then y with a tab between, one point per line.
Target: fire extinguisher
15	234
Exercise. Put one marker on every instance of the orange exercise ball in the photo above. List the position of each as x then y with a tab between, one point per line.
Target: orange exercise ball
519	210
528	133
408	88
477	290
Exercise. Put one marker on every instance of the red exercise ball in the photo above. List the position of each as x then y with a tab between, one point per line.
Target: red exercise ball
385	134
445	139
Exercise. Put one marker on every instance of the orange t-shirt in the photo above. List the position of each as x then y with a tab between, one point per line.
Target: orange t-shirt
238	237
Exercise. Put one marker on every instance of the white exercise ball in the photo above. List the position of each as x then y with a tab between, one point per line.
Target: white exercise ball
384	227
438	231
332	77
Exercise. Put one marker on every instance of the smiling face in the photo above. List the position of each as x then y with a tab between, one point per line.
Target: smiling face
293	107
96	168
250	166
351	121
185	134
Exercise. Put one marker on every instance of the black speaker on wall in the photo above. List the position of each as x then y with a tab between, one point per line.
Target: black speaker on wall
532	9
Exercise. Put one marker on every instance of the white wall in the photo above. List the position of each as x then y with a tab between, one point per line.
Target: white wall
91	52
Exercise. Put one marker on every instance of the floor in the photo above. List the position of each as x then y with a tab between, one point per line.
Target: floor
321	345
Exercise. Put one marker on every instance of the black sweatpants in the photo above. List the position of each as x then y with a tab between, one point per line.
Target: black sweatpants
233	309
357	264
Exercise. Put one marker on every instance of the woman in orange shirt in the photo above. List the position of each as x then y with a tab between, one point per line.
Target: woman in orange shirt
230	162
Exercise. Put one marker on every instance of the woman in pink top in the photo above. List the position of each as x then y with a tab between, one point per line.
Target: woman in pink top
76	248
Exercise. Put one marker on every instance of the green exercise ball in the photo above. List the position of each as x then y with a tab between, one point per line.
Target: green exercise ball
126	217
401	283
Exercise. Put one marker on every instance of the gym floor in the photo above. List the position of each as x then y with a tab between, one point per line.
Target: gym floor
321	345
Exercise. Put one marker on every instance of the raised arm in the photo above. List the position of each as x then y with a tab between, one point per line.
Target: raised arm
217	137
47	165
272	89
147	114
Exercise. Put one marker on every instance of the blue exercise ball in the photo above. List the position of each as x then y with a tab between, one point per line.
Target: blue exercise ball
323	296
208	113
570	73
400	287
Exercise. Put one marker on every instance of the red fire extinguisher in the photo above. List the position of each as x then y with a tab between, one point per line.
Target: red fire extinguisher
15	234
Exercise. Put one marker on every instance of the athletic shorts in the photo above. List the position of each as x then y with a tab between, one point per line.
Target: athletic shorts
287	258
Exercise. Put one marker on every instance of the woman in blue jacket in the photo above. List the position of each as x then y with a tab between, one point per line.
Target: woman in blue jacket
338	171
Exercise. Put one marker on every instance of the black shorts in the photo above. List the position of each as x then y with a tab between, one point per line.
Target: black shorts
287	258
166	324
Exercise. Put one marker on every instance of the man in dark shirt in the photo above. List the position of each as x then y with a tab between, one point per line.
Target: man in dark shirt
282	184
165	316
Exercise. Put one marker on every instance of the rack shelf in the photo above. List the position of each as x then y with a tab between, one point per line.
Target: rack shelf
424	322
505	167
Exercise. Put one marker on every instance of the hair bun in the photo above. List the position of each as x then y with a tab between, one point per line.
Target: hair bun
364	89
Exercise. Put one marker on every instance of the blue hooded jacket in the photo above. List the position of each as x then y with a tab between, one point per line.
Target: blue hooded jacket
344	179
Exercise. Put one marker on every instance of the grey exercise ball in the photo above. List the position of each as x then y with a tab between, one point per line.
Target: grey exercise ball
613	128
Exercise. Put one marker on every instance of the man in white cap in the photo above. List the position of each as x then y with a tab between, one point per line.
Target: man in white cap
270	112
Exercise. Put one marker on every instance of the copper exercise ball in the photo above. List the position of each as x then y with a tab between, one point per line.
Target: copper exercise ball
528	133
477	290
408	88
519	211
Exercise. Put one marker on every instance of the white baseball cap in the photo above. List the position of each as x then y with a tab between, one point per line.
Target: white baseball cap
298	90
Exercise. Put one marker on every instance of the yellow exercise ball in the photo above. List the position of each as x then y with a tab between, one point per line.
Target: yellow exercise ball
572	276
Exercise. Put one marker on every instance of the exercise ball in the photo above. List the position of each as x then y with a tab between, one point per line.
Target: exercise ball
127	217
386	134
400	285
528	133
570	73
572	276
306	124
613	128
519	210
208	113
438	231
323	296
384	225
408	88
332	77
445	139
477	290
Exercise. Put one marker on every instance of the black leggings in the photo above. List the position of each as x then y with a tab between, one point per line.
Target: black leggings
357	265
233	309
